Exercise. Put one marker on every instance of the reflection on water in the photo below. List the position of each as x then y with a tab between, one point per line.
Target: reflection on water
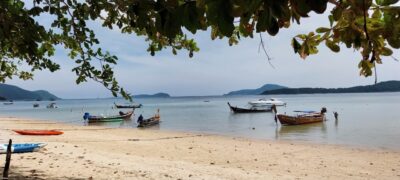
152	127
114	124
299	131
364	119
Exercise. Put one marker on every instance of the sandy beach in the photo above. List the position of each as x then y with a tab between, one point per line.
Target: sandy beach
98	152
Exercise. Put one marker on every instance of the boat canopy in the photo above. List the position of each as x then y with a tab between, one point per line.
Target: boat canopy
306	111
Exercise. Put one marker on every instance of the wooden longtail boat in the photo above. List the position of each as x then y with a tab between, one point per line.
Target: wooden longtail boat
248	110
149	122
38	132
21	148
122	116
302	119
128	106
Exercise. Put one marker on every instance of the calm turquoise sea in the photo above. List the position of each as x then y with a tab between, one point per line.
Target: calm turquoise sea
365	119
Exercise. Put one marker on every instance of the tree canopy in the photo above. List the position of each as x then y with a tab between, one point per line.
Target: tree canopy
370	27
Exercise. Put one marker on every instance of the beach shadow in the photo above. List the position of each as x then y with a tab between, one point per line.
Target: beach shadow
31	174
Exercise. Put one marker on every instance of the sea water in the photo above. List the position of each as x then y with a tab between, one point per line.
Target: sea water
365	119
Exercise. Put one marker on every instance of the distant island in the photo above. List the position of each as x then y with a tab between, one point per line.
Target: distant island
387	86
157	95
10	92
266	87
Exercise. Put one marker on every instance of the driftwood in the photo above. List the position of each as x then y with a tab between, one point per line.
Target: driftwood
8	160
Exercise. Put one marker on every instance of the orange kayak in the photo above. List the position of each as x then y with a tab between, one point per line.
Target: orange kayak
38	132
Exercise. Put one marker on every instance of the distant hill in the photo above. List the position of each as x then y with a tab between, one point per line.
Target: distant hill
11	92
387	86
257	91
158	95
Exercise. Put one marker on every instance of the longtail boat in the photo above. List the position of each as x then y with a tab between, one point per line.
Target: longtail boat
132	106
248	110
307	118
122	116
21	148
149	122
38	132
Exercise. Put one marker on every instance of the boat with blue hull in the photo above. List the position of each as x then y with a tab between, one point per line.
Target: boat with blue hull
95	119
21	148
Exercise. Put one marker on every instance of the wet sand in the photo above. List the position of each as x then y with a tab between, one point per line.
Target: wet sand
98	152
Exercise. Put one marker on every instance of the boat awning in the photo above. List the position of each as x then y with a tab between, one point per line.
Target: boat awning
306	111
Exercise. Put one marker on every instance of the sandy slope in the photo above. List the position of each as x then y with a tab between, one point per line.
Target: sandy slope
104	153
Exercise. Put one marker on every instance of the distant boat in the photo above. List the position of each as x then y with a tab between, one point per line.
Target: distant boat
35	105
248	110
306	117
265	102
128	106
122	116
8	103
38	132
52	106
21	148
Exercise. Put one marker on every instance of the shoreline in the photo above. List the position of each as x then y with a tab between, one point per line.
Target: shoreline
304	142
84	152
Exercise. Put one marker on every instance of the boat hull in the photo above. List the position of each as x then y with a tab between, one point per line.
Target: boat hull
264	102
250	110
21	148
128	106
149	122
39	132
95	119
298	120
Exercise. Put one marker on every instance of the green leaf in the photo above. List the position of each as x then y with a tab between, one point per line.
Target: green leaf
218	13
301	7
386	51
334	47
296	45
331	20
266	22
386	2
318	6
322	30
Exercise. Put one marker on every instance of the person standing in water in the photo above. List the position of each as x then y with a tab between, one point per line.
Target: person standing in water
273	108
157	115
140	119
336	114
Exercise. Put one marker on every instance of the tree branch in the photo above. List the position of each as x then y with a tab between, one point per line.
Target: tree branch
265	51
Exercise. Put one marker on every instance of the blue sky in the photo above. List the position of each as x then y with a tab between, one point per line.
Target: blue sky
217	69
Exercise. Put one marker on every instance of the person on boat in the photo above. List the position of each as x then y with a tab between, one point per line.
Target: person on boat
140	119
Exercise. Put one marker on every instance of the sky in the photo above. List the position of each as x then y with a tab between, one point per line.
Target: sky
216	69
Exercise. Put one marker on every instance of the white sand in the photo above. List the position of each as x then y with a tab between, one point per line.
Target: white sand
105	153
